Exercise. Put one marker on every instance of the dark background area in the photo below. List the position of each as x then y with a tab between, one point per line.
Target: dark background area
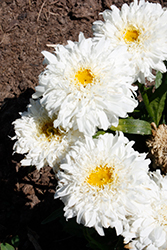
27	195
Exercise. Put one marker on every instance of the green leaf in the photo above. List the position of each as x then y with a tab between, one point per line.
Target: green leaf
158	79
53	216
99	133
157	102
146	93
71	227
133	126
109	242
92	242
6	246
15	241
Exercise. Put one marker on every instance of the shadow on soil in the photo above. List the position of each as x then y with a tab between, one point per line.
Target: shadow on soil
27	195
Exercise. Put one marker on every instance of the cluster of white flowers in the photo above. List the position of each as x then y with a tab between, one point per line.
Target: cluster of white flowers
88	85
141	28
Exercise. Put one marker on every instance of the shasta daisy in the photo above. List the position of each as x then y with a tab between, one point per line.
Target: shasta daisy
149	226
87	86
141	27
36	137
95	179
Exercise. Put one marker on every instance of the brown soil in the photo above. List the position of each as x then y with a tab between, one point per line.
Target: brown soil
26	195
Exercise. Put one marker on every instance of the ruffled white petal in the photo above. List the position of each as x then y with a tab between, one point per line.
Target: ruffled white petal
149	49
148	226
40	149
98	104
102	206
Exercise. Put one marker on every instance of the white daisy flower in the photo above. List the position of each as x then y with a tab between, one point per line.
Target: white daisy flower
88	86
149	227
36	137
141	27
95	179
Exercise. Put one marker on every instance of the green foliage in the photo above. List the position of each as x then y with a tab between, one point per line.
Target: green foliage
94	244
158	79
6	246
15	241
133	126
100	132
153	108
155	101
109	242
53	216
72	227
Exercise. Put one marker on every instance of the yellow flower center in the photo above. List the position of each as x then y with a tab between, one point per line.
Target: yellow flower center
100	176
131	34
84	76
46	128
